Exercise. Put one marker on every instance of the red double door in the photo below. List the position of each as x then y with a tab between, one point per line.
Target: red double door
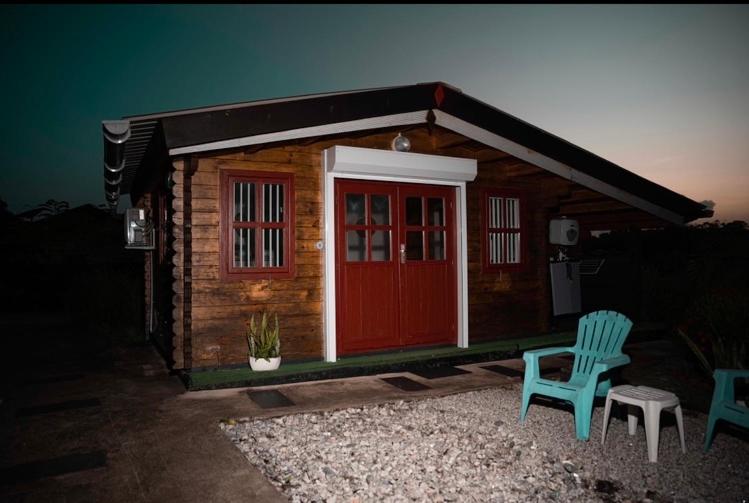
395	265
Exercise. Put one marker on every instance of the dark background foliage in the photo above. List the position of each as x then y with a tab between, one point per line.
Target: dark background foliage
67	284
694	278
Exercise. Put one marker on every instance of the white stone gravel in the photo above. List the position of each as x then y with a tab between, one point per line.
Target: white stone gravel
470	447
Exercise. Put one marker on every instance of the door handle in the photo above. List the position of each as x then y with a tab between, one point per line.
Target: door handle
403	254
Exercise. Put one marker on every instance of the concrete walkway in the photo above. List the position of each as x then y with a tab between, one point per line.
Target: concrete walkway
114	434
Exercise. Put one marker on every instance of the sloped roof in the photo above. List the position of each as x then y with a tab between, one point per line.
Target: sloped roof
226	126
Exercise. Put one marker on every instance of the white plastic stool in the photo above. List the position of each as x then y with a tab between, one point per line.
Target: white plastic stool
652	401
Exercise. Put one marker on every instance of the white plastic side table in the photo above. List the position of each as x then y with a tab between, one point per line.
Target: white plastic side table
652	401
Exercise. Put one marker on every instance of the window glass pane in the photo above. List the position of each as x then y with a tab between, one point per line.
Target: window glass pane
273	202
413	211
495	248
380	210
414	245
244	247
355	209
244	202
381	246
513	213
273	247
495	211
437	245
356	246
435	211
513	248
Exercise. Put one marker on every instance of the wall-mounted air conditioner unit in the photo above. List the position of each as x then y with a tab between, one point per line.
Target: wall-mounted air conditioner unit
564	231
139	231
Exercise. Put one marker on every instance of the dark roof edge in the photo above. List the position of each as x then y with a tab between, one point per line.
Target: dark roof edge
213	124
508	126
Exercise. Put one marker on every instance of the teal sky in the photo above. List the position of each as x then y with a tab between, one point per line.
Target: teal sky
660	90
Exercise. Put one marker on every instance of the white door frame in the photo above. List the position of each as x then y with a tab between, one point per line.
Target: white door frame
390	166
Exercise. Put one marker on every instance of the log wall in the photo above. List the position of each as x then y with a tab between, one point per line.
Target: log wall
501	305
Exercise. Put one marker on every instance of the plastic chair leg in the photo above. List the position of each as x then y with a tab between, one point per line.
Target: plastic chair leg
606	412
710	433
525	403
652	431
680	425
632	419
583	411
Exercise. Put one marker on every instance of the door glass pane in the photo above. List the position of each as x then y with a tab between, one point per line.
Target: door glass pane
435	211
380	246
413	211
244	202
380	210
355	209
414	245
437	245
356	246
244	247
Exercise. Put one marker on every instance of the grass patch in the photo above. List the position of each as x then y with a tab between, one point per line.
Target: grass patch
397	361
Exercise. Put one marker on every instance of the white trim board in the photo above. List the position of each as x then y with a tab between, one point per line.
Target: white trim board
362	163
384	121
459	126
515	149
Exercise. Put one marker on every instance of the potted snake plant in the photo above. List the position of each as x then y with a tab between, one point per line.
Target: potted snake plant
264	343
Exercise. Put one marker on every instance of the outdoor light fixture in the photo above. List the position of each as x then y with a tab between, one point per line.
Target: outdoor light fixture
401	143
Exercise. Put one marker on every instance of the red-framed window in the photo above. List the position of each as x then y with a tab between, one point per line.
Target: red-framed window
257	224
504	230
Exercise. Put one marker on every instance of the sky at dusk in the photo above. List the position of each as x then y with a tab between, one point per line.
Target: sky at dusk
663	91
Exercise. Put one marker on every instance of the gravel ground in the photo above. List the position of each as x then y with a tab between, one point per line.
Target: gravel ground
470	447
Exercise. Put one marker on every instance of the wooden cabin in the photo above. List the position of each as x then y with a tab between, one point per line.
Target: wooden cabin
370	220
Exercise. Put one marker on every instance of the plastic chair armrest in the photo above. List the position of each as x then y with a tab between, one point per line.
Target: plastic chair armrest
540	353
610	363
732	373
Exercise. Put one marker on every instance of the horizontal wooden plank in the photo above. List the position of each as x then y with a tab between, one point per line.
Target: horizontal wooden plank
198	191
199	231
213	285
205	177
211	272
236	324
211	218
198	205
276	155
206	246
219	312
234	297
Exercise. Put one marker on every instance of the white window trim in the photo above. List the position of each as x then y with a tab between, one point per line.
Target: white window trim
390	166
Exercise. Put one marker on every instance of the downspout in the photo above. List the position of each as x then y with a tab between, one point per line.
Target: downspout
115	133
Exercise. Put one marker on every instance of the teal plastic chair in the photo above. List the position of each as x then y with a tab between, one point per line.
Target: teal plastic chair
724	404
600	336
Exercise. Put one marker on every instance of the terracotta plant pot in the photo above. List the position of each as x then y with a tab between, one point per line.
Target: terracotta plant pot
261	364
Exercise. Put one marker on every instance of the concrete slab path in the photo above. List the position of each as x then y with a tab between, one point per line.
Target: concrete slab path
162	443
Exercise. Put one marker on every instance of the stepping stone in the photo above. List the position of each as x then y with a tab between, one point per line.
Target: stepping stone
57	407
438	372
270	399
507	371
405	383
53	467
